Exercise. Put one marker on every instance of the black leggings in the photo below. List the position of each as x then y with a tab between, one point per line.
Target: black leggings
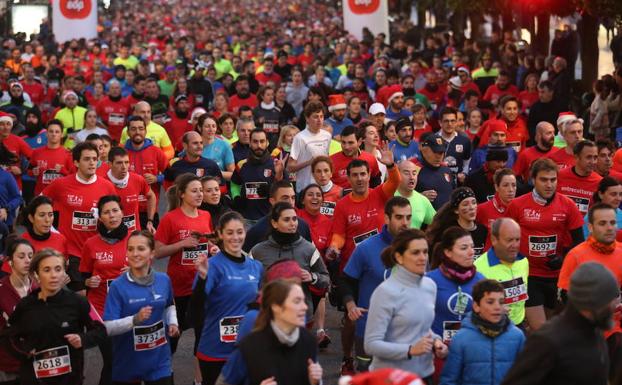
181	306
106	350
210	370
161	381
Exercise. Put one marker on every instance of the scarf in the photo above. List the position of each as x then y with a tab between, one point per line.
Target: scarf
112	236
119	183
498	204
83	181
284	238
327	187
266	106
490	329
286	339
600	247
36	236
147	280
540	200
455	272
254	159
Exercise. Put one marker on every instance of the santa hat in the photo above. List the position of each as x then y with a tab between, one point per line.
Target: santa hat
336	102
4	117
566	117
386	376
497	125
69	93
464	69
393	92
455	82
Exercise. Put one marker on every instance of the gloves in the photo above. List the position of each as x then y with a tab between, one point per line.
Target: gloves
554	262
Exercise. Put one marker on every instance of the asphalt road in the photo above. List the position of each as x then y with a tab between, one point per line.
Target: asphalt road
183	365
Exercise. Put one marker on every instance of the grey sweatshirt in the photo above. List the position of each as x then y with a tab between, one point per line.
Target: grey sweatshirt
401	312
301	251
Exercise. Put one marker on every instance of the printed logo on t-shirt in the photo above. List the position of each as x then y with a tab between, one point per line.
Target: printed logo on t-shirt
103	256
74	200
531	214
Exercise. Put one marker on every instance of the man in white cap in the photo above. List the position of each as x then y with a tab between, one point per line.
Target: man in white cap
571	130
72	116
337	109
377	114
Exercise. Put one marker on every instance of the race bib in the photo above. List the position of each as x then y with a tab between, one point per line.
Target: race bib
229	327
542	246
50	176
83	221
52	362
360	238
450	329
149	337
190	254
253	190
515	290
130	222
116	119
328	208
583	204
271	127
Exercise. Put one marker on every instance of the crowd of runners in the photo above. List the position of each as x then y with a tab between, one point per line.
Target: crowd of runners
449	198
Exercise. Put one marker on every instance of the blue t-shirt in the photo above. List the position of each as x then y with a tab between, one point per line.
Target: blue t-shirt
142	354
404	152
338	126
220	152
39	140
366	266
453	300
229	288
404	113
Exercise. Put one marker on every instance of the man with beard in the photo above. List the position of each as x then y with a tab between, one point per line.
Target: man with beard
138	93
35	137
432	90
192	162
113	110
201	88
497	141
502	87
254	176
242	96
404	147
268	75
156	133
571	348
17	104
395	103
157	101
337	109
147	160
179	122
545	138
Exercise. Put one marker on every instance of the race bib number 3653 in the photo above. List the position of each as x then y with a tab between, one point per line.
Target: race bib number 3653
189	255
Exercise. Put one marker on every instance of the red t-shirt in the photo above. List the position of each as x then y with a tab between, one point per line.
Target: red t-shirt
493	93
75	202
103	259
579	189
36	91
419	131
562	158
489	212
357	221
176	127
53	163
544	229
174	227
19	148
149	160
436	97
235	102
264	78
527	99
525	159
113	114
517	134
320	229
330	199
131	195
340	165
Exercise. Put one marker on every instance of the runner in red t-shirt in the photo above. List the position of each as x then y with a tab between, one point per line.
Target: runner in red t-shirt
580	181
183	236
359	214
75	198
505	190
351	140
545	138
132	188
572	132
104	254
146	160
113	110
52	161
550	225
322	171
604	164
15	145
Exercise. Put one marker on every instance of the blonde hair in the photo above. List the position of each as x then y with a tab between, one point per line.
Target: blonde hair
284	131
